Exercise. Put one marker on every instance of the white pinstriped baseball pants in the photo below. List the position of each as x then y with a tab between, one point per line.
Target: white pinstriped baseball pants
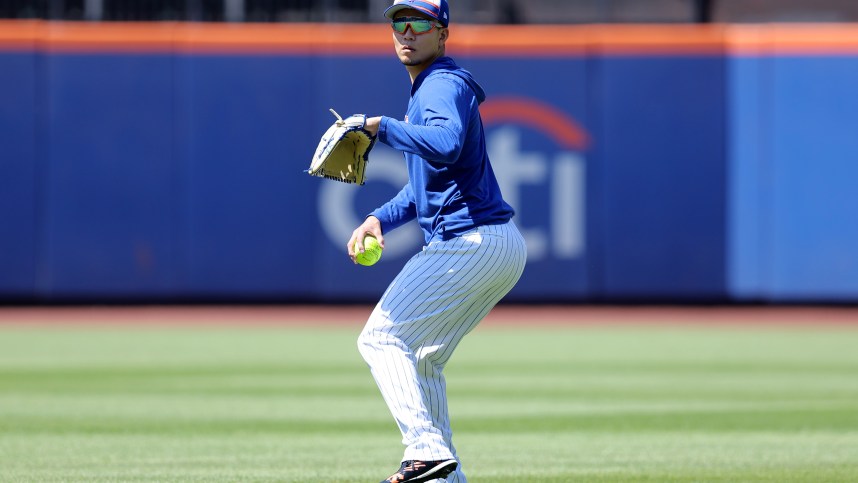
440	295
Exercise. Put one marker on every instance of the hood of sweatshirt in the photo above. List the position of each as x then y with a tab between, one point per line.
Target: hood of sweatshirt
446	65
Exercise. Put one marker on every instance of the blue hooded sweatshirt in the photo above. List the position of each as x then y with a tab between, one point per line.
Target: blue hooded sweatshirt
451	186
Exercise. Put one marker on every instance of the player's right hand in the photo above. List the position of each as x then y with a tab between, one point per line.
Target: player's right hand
370	226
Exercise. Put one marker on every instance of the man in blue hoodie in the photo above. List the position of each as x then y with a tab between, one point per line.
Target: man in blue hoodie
473	254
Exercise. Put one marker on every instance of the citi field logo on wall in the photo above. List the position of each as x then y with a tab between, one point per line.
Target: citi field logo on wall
554	224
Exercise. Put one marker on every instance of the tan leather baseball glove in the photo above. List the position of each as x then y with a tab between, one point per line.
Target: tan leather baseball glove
343	151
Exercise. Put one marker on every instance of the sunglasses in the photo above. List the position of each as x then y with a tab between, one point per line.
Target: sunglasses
418	25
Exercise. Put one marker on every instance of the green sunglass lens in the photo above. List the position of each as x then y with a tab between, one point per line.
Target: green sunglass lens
420	26
417	26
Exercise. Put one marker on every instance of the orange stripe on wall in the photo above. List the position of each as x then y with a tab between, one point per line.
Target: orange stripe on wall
793	39
19	35
375	39
157	37
550	40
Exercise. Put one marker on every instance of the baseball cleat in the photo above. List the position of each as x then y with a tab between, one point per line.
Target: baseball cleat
413	471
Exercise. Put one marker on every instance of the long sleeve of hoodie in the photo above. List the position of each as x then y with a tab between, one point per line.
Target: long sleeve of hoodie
446	107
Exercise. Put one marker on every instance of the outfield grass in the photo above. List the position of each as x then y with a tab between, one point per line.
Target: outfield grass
561	404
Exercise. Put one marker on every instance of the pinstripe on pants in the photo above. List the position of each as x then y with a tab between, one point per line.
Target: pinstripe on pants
440	295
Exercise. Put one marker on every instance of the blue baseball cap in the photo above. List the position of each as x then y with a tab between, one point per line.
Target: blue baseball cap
437	9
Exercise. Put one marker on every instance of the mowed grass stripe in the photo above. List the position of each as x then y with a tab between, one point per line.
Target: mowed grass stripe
542	405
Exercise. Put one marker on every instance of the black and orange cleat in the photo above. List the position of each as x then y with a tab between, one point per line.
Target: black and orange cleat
413	471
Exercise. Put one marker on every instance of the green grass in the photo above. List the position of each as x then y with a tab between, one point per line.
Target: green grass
590	404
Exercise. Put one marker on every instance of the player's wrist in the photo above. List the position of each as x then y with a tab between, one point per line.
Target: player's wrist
372	125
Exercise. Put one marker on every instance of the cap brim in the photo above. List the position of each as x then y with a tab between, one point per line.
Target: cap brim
391	11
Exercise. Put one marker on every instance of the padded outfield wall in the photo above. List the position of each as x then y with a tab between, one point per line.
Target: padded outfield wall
163	162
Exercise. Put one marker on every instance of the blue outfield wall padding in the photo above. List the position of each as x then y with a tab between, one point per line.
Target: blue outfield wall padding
19	214
178	176
814	168
663	177
246	136
111	181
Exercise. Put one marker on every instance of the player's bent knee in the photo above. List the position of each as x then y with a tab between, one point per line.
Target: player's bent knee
374	345
368	345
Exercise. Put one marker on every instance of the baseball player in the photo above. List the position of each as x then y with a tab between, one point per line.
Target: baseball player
473	254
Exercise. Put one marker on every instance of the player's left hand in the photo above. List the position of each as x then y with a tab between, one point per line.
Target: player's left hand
343	151
370	226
